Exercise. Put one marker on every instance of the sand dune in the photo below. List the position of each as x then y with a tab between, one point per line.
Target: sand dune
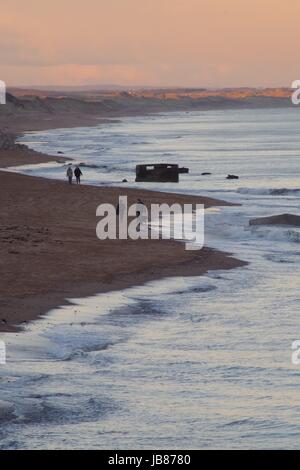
38	110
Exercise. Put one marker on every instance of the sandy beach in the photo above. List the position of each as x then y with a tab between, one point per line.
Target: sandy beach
49	249
48	244
130	322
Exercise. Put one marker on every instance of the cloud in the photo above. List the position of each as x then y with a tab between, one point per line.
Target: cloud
176	42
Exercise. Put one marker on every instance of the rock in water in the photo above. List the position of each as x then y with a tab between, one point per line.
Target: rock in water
232	177
281	219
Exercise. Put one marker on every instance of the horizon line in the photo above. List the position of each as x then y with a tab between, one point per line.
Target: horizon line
158	87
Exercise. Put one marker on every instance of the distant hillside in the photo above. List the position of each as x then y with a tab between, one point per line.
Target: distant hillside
144	100
33	109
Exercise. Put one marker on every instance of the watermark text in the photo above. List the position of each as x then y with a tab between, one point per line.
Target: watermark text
162	221
2	353
296	94
2	92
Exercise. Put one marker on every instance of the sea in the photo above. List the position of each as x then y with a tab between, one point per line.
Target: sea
180	363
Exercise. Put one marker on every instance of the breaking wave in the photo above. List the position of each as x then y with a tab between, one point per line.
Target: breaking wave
270	191
278	234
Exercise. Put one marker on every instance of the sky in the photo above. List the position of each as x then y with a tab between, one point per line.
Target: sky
193	43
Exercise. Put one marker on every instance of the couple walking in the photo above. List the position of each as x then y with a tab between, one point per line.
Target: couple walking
77	173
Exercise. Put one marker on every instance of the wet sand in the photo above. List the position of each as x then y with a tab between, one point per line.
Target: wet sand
49	250
48	246
24	156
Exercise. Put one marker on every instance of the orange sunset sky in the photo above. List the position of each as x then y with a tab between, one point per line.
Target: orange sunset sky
150	42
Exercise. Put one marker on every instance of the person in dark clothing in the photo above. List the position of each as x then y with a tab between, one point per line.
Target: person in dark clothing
70	174
78	174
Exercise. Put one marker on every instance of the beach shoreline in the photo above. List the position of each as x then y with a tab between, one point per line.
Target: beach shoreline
50	252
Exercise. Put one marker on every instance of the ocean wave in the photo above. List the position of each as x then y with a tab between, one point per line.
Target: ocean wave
85	351
197	290
278	234
65	410
90	165
140	143
280	258
6	411
270	191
